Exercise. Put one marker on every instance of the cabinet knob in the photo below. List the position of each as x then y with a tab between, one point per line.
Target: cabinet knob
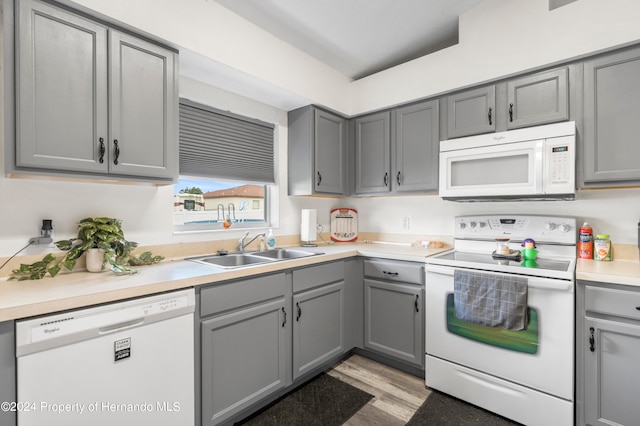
299	311
385	179
319	178
398	178
592	340
102	151
511	113
116	152
284	313
490	121
417	303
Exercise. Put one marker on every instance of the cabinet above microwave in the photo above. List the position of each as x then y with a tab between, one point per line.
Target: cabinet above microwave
533	163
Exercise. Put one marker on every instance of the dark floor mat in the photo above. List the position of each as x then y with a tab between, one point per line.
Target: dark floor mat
324	401
443	410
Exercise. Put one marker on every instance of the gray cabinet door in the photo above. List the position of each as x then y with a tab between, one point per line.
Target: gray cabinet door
471	112
611	373
243	359
416	147
611	111
394	318
317	152
318	327
7	371
373	150
143	108
330	149
92	100
61	89
538	99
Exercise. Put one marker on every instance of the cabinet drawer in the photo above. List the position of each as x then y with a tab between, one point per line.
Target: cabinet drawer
304	279
407	272
612	301
232	295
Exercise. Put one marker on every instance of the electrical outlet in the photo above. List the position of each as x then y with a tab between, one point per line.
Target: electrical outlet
406	223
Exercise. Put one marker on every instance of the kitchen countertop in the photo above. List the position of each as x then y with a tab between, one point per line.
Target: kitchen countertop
21	299
623	269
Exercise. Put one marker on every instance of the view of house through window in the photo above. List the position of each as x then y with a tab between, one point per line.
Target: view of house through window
210	204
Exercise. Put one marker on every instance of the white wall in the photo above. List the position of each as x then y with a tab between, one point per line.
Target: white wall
499	38
612	211
146	210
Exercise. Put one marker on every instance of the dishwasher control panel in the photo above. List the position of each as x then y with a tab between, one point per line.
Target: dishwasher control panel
104	319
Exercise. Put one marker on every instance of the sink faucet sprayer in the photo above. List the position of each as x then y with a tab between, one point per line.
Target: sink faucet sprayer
242	245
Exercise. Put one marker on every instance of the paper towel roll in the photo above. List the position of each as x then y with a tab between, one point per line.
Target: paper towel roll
308	225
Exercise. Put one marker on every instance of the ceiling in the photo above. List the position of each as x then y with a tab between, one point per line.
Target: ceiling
358	37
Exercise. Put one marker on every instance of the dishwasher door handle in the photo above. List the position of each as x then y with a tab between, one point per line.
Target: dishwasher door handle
121	326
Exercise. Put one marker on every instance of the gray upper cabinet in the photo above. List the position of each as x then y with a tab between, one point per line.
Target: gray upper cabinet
373	153
611	125
530	100
416	150
471	112
92	100
397	151
537	99
317	152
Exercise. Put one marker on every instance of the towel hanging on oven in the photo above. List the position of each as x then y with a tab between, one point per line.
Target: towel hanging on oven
490	299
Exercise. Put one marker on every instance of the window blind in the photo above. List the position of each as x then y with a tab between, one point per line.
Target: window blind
222	145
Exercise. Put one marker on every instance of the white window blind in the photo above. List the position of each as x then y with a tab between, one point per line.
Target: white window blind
222	145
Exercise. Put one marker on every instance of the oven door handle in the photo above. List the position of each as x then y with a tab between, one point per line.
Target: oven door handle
533	282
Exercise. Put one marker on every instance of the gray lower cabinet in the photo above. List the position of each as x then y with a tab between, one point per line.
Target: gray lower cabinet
611	125
317	152
7	372
318	316
530	100
394	310
397	150
244	345
92	100
608	344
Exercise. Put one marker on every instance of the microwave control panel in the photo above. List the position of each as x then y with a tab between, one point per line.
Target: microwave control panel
559	164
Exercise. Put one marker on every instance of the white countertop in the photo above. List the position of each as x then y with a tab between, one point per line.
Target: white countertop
625	272
21	299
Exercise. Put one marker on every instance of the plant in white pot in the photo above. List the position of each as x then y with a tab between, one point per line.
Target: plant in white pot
100	233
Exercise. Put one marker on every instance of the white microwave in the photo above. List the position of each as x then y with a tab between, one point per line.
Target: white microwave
533	163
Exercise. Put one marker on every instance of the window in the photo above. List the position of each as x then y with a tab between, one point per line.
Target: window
226	168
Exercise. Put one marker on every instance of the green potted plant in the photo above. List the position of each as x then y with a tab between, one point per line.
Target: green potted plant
101	233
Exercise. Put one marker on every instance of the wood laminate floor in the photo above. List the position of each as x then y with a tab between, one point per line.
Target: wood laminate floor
396	394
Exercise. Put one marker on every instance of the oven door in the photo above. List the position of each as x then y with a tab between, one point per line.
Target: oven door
540	357
513	169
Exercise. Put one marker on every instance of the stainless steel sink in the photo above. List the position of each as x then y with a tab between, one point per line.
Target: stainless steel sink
239	260
282	254
235	260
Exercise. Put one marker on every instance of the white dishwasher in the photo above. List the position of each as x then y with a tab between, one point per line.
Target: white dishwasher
126	363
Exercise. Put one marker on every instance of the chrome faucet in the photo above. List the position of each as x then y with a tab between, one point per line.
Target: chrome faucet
242	244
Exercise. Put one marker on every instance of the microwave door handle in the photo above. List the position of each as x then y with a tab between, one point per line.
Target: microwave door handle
538	167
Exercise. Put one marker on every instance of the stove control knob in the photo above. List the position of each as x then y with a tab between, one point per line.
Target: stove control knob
462	225
564	227
472	224
482	224
549	226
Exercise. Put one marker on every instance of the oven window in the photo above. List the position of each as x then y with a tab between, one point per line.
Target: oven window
511	169
520	341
